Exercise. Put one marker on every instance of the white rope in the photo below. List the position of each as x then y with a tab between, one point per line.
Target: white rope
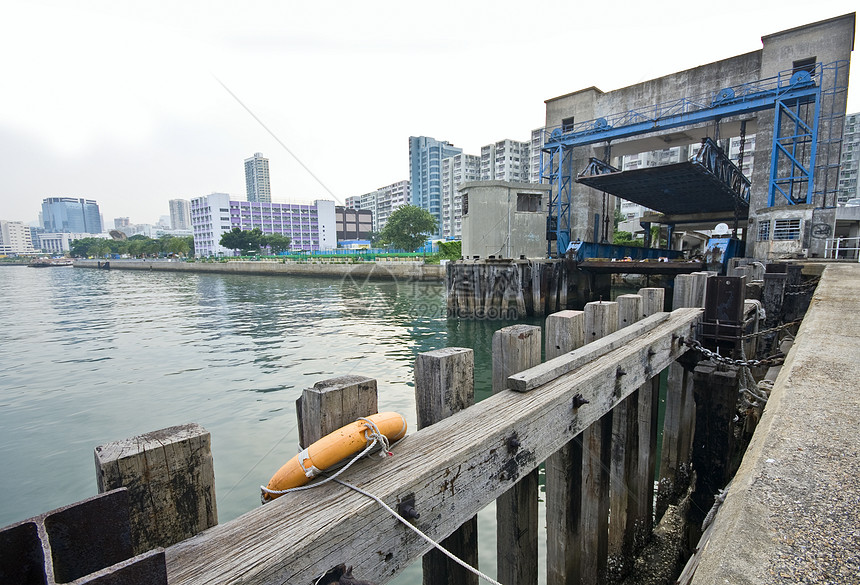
409	525
374	435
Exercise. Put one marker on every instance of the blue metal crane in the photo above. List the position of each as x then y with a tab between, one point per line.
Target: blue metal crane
795	96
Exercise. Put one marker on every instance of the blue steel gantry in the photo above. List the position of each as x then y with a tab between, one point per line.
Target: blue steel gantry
795	96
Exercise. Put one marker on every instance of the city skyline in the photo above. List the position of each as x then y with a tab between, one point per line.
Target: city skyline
172	120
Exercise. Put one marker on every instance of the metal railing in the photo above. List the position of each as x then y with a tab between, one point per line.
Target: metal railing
842	248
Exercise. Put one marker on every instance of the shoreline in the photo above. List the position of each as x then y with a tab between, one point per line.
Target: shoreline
376	270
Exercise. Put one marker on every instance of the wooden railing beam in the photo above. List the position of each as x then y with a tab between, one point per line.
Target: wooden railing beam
452	468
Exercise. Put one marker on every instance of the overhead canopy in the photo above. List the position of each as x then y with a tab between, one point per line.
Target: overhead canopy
676	189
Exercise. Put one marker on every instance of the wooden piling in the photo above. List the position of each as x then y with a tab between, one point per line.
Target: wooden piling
444	384
642	509
171	483
624	460
565	331
601	319
334	403
516	348
679	421
716	391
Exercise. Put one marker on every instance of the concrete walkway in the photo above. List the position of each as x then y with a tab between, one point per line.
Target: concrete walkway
793	512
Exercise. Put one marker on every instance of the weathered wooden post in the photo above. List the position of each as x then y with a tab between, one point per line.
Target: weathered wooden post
444	384
601	319
171	483
680	404
565	331
649	404
517	348
716	390
334	403
624	457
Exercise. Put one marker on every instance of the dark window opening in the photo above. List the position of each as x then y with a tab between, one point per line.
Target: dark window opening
567	124
807	65
528	202
465	203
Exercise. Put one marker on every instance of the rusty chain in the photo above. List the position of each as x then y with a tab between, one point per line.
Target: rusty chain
772	329
773	360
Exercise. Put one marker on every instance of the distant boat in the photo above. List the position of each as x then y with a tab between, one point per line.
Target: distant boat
50	262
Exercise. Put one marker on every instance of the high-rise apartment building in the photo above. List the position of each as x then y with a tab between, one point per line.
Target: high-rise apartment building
180	214
849	162
15	238
425	173
353	202
69	214
456	170
257	184
506	160
384	201
311	227
534	155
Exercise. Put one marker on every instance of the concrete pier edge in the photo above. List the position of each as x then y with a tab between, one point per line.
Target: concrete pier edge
791	512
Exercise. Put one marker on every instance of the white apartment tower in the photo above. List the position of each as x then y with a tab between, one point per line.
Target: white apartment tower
506	160
534	155
456	170
849	163
257	184
15	238
180	214
384	201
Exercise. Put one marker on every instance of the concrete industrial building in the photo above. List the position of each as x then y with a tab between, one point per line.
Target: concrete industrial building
257	186
311	227
456	170
425	173
504	220
15	238
71	214
180	214
785	216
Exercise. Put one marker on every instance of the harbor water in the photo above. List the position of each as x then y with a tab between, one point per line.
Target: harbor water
94	356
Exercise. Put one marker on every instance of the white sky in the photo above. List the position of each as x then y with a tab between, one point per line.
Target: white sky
120	102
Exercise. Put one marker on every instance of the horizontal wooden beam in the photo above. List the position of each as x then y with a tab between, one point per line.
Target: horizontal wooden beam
452	469
552	369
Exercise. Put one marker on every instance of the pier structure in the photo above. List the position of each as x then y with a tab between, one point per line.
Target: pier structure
588	411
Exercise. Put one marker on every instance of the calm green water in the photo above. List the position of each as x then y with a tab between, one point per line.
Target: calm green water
92	356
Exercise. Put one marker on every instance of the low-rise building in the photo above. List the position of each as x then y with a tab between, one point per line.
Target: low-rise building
353	224
15	238
504	219
311	226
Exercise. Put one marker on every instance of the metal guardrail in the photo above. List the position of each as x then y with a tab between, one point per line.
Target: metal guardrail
842	248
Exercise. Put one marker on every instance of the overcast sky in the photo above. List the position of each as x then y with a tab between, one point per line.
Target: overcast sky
121	102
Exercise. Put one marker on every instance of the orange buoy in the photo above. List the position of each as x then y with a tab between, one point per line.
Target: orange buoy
331	449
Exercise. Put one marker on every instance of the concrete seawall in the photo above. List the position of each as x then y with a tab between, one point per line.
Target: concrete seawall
379	270
790	515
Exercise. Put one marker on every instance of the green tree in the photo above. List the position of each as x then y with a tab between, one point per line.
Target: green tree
245	241
81	248
277	242
451	250
408	227
178	246
626	239
99	248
